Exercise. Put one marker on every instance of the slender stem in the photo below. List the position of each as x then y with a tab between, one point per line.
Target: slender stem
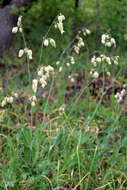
40	57
28	65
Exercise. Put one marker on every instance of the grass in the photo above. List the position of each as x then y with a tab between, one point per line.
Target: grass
64	152
82	147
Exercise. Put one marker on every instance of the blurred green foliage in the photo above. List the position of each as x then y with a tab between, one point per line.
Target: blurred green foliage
99	15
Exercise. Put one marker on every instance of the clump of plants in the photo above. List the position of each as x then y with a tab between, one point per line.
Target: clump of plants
63	131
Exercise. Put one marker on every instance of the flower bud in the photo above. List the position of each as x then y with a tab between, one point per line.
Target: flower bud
21	52
52	42
15	30
46	42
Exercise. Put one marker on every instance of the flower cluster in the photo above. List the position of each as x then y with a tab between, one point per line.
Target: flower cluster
42	77
105	59
26	51
107	40
94	73
116	60
33	100
86	32
59	24
18	27
99	59
71	61
73	77
48	41
9	99
79	44
120	95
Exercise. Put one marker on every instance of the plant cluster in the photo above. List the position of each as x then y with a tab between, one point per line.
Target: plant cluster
62	136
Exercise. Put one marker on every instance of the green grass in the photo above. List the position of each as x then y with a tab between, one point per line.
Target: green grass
63	152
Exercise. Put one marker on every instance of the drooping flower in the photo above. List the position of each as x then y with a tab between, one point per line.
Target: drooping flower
35	85
15	29
52	42
46	42
21	52
61	18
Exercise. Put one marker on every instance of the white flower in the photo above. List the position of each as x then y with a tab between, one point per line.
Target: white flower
10	99
60	69
20	29
52	42
84	33
76	49
33	104
43	82
94	64
68	64
117	95
3	103
40	73
34	85
108	73
72	60
81	44
15	30
55	25
49	68
21	52
15	95
98	59
88	31
60	27
120	95
58	62
34	98
115	62
19	21
113	41
107	40
103	38
29	53
91	72
72	79
123	92
61	18
93	59
120	99
108	44
95	74
108	60
46	42
62	108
